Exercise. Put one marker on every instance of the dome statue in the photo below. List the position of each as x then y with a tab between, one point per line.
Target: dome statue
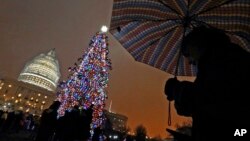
42	71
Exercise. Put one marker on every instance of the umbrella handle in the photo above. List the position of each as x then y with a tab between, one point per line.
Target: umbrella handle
169	114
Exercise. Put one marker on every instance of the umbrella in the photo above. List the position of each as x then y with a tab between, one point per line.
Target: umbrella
152	31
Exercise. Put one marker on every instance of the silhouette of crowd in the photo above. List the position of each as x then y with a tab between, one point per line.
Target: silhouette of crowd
15	122
73	126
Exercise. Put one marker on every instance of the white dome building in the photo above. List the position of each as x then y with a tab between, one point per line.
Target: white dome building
42	71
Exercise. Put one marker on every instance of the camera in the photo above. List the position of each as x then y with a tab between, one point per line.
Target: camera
170	88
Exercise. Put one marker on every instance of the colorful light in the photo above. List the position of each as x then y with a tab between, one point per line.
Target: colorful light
87	82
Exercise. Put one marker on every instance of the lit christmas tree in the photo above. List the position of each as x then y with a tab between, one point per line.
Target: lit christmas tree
87	82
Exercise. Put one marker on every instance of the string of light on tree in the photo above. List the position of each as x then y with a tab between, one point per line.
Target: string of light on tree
87	82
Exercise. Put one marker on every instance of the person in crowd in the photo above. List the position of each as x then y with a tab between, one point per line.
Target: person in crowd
48	123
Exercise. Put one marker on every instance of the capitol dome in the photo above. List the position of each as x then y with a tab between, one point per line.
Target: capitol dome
42	71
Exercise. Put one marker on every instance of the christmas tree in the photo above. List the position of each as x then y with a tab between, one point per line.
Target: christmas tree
88	80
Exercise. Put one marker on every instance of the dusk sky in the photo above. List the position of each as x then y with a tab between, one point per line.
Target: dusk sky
28	28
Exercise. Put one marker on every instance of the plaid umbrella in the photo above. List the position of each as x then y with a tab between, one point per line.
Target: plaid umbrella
152	30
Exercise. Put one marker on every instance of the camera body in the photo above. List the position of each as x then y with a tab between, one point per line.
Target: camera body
170	88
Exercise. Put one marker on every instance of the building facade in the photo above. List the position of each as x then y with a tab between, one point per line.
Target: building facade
17	95
116	121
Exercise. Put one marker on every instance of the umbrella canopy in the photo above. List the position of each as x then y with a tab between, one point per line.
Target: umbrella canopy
152	31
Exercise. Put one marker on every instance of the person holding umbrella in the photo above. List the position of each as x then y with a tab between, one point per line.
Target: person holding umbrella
154	32
217	99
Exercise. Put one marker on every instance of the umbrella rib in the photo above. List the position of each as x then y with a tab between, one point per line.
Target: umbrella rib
155	20
171	9
210	26
232	33
203	23
179	53
201	12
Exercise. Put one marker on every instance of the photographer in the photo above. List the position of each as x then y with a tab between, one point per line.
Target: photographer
217	99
